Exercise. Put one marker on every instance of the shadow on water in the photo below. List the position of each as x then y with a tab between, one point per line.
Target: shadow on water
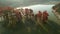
53	28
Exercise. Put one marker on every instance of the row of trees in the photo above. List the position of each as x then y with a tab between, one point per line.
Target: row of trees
15	18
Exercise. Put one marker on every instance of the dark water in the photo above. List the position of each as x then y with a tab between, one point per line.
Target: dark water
50	28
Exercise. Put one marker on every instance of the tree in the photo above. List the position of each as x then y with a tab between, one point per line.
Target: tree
57	8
